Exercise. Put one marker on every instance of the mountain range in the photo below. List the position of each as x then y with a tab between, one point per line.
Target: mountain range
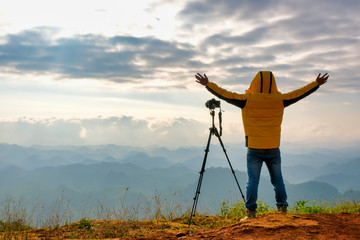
111	175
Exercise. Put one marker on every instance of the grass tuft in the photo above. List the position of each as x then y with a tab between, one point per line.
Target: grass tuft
301	207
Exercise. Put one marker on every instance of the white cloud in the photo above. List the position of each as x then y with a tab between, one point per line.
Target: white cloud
126	131
83	133
139	60
323	125
233	40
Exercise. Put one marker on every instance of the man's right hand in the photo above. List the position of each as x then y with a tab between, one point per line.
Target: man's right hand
322	79
202	80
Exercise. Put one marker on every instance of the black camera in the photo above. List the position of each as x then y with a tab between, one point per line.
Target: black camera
212	104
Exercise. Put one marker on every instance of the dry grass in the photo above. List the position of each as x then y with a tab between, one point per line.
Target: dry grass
103	229
164	218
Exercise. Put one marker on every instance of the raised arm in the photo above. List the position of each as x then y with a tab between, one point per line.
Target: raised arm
230	97
294	96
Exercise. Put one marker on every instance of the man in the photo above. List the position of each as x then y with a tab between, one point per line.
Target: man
262	108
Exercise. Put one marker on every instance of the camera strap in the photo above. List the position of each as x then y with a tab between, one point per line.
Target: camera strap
220	121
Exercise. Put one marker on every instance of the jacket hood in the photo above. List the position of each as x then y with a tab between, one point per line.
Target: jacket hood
263	82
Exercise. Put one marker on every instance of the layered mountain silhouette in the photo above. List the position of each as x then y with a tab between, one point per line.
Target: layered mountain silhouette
116	175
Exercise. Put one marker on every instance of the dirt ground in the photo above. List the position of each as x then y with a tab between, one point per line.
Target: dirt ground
278	226
271	226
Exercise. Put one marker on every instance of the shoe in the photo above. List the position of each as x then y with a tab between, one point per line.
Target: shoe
249	215
282	209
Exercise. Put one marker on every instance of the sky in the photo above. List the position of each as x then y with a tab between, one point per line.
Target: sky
122	72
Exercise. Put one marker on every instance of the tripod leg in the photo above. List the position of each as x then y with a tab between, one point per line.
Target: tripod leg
196	198
227	158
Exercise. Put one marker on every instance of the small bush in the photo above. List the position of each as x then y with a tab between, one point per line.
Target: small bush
238	209
16	225
84	224
263	208
233	210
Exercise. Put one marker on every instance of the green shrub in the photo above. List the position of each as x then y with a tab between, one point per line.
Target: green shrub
301	207
16	225
84	224
238	209
306	207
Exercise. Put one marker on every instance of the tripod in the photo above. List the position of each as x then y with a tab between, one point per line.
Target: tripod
213	131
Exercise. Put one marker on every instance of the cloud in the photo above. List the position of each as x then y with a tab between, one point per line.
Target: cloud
263	12
248	38
118	59
212	10
296	40
127	131
230	40
300	123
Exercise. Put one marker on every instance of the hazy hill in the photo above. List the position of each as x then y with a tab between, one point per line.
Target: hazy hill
109	182
341	181
113	175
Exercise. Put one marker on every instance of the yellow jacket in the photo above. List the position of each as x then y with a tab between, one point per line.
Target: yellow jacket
262	108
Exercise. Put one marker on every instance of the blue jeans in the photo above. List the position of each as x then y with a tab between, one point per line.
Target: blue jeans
272	159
